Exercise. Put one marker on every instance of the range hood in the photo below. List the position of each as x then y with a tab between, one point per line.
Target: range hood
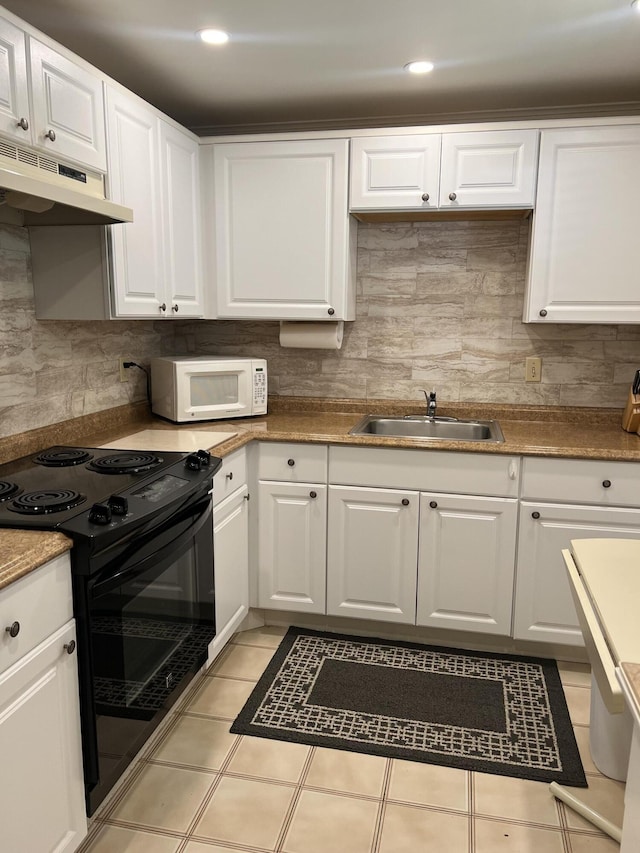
49	192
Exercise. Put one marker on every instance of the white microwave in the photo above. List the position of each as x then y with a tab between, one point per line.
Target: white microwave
207	388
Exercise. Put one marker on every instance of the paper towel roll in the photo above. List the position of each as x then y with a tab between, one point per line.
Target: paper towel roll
308	335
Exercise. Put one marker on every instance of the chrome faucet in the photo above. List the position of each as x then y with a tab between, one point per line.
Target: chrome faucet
431	403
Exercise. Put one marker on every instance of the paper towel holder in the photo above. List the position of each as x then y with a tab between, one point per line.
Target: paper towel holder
311	334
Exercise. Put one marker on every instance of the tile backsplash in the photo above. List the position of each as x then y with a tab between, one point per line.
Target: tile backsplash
438	306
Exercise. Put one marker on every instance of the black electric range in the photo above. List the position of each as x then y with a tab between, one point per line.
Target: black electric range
97	495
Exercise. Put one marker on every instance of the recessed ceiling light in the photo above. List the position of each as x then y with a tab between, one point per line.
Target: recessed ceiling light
420	66
214	36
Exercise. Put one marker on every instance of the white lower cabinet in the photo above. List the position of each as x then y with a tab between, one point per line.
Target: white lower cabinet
42	803
231	564
466	562
544	607
292	525
371	553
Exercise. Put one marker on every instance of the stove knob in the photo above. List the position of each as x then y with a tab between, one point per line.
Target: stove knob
194	462
118	505
100	514
205	456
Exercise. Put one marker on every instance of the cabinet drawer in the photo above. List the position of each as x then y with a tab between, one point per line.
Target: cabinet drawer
293	463
571	480
425	470
231	476
40	603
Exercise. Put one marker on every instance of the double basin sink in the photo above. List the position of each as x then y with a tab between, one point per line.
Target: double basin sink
425	428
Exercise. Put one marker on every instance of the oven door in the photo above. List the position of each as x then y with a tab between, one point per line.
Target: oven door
146	623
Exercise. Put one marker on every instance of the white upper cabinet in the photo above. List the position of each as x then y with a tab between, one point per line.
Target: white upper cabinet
64	116
15	113
179	162
68	108
395	172
489	169
134	177
153	168
451	170
585	252
285	243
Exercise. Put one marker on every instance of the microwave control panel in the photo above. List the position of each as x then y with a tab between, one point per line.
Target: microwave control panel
259	390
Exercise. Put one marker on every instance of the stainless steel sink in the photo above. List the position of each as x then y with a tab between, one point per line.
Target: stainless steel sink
429	429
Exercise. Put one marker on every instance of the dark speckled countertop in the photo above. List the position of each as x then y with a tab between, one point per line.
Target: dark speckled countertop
586	433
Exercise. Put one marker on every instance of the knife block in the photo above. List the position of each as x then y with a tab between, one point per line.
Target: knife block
631	414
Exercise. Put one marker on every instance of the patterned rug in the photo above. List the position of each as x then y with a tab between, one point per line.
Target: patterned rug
501	714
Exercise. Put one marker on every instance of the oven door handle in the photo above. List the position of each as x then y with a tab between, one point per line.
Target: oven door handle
100	587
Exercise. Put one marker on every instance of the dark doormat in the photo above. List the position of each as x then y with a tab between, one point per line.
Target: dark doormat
501	714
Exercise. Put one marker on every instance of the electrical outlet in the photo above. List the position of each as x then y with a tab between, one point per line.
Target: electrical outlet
533	369
124	371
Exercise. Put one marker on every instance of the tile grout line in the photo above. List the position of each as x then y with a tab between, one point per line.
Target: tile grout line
382	807
295	799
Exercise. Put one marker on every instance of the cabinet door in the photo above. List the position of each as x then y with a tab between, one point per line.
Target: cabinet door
466	562
283	232
489	169
292	531
372	554
137	254
68	108
42	786
544	607
182	222
231	564
15	114
585	251
395	172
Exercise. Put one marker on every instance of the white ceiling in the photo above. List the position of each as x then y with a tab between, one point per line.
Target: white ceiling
329	63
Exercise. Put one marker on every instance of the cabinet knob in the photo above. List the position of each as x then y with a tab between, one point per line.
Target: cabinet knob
313	494
229	476
425	196
51	135
70	647
13	630
535	515
163	307
331	311
175	308
291	462
405	501
606	484
247	497
23	123
433	504
543	312
452	196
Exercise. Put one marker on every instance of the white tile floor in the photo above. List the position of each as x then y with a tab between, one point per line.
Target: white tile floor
200	789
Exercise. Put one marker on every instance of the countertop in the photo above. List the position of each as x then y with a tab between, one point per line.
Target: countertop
528	431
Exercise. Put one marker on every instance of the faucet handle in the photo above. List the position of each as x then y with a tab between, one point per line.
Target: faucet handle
432	394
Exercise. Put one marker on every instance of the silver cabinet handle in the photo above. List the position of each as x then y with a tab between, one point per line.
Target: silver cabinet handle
331	311
425	196
535	515
433	504
13	630
452	196
229	476
606	484
163	307
291	462
405	501
543	312
313	494
50	134
23	123
175	308
70	647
